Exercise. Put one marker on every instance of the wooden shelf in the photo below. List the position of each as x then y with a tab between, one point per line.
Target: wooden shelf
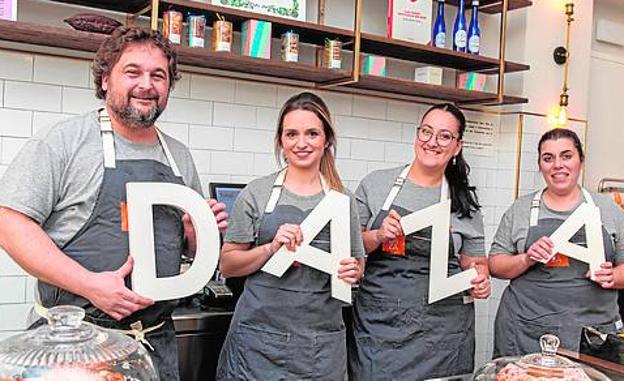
308	32
495	6
405	50
200	57
423	90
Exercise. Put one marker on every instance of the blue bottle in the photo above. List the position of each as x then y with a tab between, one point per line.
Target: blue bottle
460	35
474	34
439	28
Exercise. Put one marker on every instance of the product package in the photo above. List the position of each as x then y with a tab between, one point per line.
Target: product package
428	74
256	39
374	65
332	54
410	20
471	81
197	31
290	47
172	26
222	35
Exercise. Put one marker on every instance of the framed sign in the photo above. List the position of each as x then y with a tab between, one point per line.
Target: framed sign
8	10
293	9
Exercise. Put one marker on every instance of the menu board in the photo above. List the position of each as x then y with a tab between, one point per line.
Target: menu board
293	9
8	10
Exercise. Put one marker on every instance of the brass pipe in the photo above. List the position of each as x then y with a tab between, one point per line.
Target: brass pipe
358	40
154	15
500	92
569	13
520	129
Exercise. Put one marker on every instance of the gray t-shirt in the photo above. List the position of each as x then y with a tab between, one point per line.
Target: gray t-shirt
513	229
56	177
244	222
467	233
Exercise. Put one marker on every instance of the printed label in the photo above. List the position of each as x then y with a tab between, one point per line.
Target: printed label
473	44
460	39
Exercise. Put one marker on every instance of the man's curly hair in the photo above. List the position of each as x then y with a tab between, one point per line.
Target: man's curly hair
111	49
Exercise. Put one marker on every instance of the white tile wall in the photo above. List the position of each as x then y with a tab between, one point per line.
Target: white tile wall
229	126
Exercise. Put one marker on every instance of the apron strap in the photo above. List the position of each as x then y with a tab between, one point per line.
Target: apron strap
168	155
398	184
537	201
277	190
108	143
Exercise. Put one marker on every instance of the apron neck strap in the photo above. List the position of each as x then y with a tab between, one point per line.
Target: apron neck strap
537	201
276	191
398	184
108	143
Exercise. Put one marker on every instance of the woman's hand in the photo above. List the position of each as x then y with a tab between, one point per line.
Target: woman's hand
540	250
390	228
289	235
350	270
605	277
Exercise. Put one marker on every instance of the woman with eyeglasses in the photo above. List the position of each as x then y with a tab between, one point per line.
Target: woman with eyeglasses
558	296
398	335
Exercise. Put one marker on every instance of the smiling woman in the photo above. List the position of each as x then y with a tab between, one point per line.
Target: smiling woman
556	297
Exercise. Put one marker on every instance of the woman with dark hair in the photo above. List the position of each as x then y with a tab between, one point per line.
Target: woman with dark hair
398	335
288	328
556	297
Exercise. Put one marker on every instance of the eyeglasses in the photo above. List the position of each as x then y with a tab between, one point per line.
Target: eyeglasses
425	132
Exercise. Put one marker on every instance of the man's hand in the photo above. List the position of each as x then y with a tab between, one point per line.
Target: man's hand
108	292
350	270
218	209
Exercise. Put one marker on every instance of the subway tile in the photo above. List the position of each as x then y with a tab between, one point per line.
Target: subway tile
179	131
286	92
61	71
352	170
338	104
182	88
12	289
80	101
264	164
202	159
343	148
31	285
16	66
14	316
350	127
376	165
399	152
267	118
405	112
232	163
253	140
367	150
210	137
212	89
242	179
8	267
15	123
383	130
10	148
188	111
409	133
31	96
369	107
1	93
230	115
256	94
45	120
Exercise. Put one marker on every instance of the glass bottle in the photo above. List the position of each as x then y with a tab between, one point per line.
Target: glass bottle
459	30
474	33
439	28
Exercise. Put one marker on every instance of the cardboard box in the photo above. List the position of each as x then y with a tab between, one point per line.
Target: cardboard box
471	81
428	74
374	65
410	20
256	39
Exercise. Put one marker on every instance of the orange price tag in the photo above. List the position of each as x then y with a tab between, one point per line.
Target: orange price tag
395	247
559	260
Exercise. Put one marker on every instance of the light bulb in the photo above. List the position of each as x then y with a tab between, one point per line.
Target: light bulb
558	117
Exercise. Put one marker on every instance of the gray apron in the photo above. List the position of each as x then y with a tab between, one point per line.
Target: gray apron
101	245
287	328
398	335
555	300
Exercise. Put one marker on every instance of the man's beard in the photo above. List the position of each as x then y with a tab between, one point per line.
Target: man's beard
132	116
